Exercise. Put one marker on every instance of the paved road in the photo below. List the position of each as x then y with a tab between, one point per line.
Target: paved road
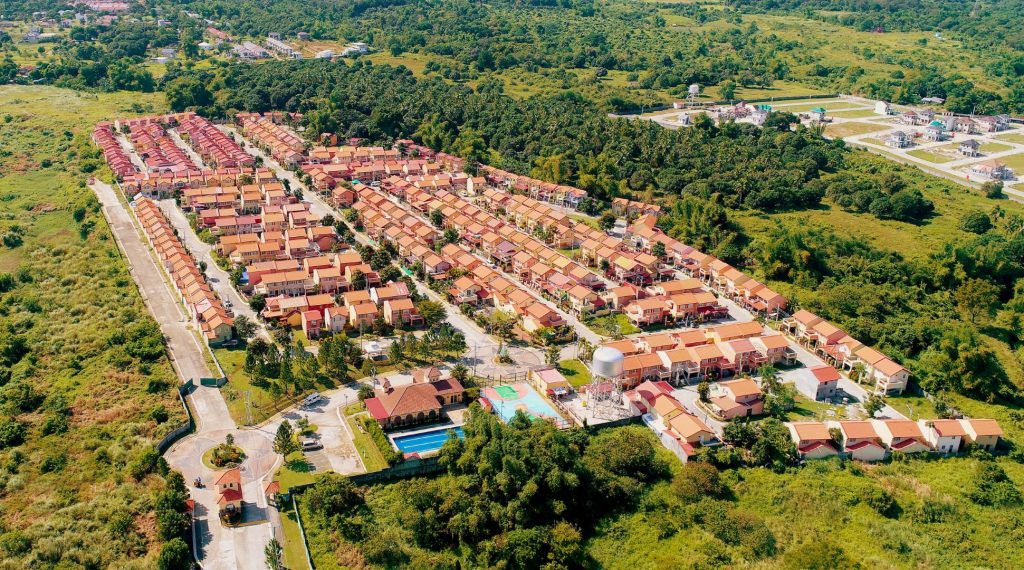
216	546
219	279
176	137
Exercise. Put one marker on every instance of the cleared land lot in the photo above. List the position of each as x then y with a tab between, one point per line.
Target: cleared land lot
850	129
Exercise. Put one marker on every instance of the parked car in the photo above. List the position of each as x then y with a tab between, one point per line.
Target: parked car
309	444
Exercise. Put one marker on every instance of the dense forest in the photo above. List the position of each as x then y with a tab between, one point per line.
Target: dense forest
657	50
716	46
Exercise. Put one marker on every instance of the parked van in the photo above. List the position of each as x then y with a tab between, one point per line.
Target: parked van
312	399
310	444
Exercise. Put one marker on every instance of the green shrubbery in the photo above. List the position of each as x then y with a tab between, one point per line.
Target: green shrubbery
380	439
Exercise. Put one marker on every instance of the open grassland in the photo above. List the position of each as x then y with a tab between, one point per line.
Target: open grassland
84	373
835	45
854	114
898	515
842	130
1012	137
933	155
951	201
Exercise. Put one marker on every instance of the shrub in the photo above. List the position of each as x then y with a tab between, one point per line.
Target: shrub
697	480
12	433
332	495
174	555
381	440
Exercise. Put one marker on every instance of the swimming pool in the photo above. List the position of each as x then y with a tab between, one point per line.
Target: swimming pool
426	441
509	399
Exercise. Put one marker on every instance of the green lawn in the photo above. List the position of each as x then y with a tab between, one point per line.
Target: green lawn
295	471
609	325
371	456
932	156
575	372
294	550
1017	137
842	130
809	410
855	114
1014	161
805	106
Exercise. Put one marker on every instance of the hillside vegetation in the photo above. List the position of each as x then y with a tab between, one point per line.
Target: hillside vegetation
85	386
527	496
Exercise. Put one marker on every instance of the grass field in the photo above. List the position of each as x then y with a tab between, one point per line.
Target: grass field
932	155
951	202
79	339
367	450
855	114
1014	161
610	325
1013	137
803	107
575	372
849	129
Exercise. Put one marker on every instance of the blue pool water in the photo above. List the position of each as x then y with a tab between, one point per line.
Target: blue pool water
506	405
427	441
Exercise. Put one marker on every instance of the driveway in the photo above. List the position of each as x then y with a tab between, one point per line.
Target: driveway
688	396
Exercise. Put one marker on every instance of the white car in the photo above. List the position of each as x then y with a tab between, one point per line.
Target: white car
312	399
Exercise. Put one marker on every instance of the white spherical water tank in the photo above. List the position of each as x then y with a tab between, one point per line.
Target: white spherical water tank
607	363
694	90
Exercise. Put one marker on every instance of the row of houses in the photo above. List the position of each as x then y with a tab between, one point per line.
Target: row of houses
528	259
279	141
679	430
630	209
549	192
679	300
161	185
318	314
974	124
876	439
118	160
844	352
683	357
244	198
715	273
328	274
206	309
213	146
158	150
385	219
595	249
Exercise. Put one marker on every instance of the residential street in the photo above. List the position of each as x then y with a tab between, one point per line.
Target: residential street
216	546
219	279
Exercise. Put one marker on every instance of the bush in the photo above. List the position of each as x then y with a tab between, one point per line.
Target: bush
12	433
381	440
976	222
333	494
697	480
174	555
